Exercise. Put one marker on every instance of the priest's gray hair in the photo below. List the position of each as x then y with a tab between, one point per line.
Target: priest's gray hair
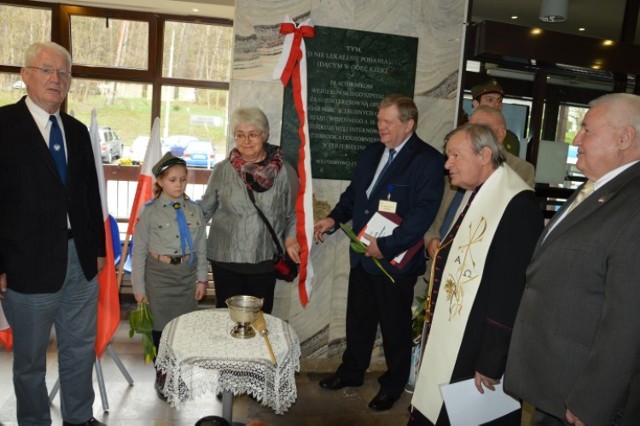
481	136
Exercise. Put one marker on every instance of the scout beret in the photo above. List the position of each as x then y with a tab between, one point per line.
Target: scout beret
165	162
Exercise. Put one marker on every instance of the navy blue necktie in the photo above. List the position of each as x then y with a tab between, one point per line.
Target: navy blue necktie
185	234
392	153
451	212
56	148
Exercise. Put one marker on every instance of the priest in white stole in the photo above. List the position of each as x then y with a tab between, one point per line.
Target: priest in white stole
481	263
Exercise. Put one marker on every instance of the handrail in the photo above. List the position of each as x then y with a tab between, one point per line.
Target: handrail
122	182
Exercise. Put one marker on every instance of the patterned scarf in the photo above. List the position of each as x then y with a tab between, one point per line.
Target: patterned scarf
258	177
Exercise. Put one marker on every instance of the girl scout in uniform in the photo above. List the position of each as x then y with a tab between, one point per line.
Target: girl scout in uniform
169	255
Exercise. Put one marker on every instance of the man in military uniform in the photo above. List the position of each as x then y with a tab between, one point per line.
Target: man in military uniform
490	93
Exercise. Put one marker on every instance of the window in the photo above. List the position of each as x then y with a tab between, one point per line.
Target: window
19	27
195	113
106	42
11	88
130	72
197	51
124	107
569	120
115	69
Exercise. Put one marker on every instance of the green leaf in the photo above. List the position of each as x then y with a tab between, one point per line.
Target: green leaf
347	230
358	247
141	322
377	262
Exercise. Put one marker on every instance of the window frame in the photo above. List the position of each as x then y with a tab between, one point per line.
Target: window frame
61	33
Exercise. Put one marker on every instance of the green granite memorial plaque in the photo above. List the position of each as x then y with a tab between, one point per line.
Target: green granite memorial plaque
348	73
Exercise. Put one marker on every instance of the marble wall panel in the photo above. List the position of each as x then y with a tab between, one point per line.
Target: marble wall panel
438	24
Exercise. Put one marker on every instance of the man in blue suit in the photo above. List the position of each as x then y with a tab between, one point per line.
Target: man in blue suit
404	176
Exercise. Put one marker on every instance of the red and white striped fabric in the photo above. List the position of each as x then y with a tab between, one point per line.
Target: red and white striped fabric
108	300
144	190
292	66
6	336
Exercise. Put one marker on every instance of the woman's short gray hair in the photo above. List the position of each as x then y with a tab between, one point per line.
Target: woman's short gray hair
34	50
252	116
481	136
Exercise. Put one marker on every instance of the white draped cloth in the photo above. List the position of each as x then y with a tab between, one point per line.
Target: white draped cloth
461	278
199	356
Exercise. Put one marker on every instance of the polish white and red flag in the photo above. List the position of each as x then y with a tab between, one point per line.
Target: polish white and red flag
6	336
144	190
292	67
108	300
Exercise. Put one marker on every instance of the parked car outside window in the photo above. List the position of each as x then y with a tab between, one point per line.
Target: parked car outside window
19	85
177	143
110	144
199	154
138	149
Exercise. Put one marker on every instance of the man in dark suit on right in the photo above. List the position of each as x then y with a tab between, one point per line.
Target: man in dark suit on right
575	349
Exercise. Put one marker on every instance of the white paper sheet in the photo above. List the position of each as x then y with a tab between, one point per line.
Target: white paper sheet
380	226
468	407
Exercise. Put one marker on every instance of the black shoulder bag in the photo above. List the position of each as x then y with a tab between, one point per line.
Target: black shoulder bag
286	269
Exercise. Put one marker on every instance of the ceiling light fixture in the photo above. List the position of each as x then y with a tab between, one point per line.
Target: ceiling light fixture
554	10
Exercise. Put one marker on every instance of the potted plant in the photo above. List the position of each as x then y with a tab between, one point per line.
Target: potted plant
418	315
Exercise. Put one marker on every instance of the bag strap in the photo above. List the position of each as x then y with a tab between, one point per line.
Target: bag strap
266	222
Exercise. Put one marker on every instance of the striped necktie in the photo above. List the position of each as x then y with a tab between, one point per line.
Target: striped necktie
585	191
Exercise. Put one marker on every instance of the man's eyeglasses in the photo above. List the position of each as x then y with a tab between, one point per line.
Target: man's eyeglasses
48	72
241	137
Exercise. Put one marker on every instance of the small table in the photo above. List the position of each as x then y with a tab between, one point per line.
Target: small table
199	356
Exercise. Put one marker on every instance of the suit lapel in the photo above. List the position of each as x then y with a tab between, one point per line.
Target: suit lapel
33	138
375	160
595	201
399	163
71	141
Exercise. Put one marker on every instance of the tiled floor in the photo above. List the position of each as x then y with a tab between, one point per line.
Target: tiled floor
139	405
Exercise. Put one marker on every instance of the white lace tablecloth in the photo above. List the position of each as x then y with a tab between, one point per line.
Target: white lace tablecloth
199	356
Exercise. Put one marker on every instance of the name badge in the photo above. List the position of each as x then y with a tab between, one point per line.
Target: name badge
387	206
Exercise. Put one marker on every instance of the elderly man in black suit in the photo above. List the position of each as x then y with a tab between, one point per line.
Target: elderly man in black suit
575	351
52	242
